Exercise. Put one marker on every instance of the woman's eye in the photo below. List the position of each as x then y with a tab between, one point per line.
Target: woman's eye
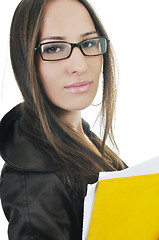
89	44
54	49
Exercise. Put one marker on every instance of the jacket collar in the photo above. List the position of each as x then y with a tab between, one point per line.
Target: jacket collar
18	151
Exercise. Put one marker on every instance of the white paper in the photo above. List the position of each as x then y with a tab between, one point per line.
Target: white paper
149	167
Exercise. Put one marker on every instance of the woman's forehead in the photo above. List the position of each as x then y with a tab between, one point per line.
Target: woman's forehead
65	18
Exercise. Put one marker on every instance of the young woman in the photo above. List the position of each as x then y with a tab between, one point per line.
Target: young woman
58	50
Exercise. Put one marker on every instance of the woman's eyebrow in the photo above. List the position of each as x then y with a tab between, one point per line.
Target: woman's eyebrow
53	38
63	38
88	33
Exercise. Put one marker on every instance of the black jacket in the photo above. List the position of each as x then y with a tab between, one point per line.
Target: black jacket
38	203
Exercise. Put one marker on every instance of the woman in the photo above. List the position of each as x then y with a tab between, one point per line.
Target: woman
58	50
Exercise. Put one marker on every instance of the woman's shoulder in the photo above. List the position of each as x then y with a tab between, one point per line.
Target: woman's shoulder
17	149
23	158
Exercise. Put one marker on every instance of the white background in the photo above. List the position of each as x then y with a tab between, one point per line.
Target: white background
133	28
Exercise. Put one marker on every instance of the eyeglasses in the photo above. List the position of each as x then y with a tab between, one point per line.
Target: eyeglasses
59	50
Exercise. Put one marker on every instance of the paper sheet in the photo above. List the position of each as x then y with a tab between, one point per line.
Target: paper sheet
148	167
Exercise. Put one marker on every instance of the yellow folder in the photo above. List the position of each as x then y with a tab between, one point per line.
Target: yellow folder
126	209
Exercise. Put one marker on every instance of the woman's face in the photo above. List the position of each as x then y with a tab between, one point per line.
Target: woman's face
70	84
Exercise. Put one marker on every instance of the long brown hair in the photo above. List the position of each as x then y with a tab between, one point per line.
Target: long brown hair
39	119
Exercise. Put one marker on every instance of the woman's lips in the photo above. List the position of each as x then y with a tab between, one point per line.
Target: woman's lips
79	87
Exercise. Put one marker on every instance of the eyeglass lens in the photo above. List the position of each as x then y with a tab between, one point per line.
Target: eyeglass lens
60	50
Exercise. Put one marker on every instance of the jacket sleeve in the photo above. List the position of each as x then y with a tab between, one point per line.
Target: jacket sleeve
37	207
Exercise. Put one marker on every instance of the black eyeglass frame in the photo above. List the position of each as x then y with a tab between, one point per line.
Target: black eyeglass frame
73	45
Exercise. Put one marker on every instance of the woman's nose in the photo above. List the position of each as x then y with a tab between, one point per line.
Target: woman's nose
77	63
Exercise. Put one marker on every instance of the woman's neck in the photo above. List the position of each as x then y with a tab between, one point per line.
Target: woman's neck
73	119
